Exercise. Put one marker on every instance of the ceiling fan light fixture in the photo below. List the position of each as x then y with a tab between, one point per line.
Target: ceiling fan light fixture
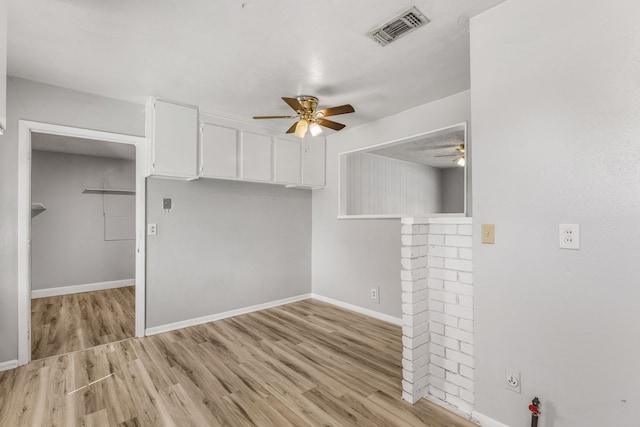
461	161
301	129
315	129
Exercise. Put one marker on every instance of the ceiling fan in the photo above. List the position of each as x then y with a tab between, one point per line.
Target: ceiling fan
309	117
459	156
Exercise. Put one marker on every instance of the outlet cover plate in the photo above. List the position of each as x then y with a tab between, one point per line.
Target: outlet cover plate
512	380
569	236
375	294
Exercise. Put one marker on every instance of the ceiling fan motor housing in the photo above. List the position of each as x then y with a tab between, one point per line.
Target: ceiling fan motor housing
309	103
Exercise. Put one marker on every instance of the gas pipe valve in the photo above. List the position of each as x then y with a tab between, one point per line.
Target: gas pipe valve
535	407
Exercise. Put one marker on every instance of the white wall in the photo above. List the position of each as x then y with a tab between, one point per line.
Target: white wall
224	245
556	139
351	256
377	185
68	240
3	64
34	101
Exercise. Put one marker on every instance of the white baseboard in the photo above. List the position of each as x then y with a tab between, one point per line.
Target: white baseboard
449	407
485	421
213	317
76	289
358	309
9	364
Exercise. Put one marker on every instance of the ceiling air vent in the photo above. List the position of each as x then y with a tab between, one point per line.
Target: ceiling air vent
398	26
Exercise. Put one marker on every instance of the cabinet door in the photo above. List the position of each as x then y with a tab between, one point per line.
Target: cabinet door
287	162
256	157
219	157
175	140
313	163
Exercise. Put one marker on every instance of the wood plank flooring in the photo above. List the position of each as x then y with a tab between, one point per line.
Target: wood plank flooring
301	364
67	323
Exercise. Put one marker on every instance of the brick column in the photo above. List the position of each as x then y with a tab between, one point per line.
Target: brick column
415	318
437	296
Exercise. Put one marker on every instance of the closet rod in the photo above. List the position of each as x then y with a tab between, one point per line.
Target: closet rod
109	191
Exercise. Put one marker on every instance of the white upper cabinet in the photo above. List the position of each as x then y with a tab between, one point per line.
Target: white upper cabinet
219	152
313	163
186	144
256	157
287	161
173	129
3	66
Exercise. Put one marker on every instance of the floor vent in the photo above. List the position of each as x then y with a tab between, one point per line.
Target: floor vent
398	26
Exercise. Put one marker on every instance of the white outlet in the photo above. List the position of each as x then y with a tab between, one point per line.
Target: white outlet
569	235
152	229
512	380
375	294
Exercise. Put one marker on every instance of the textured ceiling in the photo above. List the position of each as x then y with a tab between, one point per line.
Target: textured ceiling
424	148
237	58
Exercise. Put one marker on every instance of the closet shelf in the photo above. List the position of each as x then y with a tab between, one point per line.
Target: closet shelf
37	208
109	191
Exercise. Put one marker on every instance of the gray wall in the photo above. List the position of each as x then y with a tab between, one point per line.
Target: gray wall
352	255
556	139
378	185
452	190
225	245
68	239
34	101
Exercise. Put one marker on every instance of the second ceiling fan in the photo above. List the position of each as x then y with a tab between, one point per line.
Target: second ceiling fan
309	117
459	156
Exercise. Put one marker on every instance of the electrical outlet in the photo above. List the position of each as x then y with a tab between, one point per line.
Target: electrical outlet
569	236
152	229
375	294
512	380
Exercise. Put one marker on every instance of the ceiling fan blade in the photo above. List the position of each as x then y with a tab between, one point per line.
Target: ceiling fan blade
292	129
329	124
447	155
334	111
274	117
293	103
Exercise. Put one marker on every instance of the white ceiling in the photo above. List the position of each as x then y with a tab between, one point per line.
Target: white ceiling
238	57
424	149
82	146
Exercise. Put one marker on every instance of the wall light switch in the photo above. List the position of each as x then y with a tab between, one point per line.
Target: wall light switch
488	233
166	204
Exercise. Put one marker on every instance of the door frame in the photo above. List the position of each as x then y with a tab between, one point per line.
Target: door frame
26	128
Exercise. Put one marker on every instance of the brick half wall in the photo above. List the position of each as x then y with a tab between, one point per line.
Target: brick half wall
437	307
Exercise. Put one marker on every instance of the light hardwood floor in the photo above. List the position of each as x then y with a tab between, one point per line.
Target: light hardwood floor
66	323
306	363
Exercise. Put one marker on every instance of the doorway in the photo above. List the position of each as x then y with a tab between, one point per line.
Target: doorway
94	295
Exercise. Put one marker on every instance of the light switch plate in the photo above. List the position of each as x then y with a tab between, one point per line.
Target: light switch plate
166	204
488	233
